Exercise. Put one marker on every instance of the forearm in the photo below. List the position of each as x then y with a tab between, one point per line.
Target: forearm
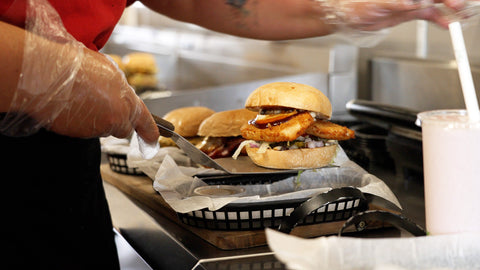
11	55
261	19
29	74
42	77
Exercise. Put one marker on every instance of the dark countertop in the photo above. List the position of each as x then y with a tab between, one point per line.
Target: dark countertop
165	245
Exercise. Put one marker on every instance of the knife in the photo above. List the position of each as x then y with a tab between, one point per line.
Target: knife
166	129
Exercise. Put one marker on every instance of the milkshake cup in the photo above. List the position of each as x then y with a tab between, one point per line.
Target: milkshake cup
451	162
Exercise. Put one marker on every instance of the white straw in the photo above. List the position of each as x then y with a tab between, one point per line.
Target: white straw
422	39
464	71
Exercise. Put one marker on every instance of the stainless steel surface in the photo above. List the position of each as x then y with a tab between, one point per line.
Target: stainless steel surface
128	257
418	84
164	244
225	97
384	115
195	60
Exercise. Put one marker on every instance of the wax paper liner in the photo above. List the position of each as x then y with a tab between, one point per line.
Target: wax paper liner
176	184
457	251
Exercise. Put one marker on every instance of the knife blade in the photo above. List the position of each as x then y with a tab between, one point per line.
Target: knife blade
166	129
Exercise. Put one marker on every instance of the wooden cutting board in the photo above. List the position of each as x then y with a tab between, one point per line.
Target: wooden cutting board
141	188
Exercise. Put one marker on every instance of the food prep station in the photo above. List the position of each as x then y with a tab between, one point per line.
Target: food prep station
220	73
167	244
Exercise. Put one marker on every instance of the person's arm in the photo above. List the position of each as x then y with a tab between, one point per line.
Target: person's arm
290	19
262	19
11	53
68	88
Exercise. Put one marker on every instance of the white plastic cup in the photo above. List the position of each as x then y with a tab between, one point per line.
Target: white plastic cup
451	162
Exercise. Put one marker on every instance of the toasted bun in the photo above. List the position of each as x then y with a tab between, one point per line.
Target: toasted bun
142	80
165	141
187	119
291	95
304	158
226	123
139	62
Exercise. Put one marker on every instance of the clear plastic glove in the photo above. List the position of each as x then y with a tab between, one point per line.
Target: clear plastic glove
364	18
372	15
69	89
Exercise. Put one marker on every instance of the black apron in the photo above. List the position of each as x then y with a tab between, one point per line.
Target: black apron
55	209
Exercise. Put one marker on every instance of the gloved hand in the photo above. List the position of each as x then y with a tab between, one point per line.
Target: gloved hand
70	89
372	15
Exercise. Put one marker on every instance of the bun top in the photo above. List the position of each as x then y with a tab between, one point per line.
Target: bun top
225	123
140	62
187	119
291	95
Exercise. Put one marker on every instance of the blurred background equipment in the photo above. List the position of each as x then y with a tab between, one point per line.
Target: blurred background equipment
141	71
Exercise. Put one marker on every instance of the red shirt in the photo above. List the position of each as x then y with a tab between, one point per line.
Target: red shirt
89	21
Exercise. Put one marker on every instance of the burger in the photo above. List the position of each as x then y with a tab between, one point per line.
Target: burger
186	120
140	62
291	129
221	132
141	70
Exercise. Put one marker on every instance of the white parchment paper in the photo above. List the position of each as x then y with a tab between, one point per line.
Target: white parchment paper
458	251
115	145
174	178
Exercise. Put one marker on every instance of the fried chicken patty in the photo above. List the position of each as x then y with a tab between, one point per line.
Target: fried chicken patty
286	131
328	130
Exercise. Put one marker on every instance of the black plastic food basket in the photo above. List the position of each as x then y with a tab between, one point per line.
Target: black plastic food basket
118	163
261	215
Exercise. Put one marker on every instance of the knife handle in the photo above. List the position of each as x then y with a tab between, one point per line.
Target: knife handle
164	127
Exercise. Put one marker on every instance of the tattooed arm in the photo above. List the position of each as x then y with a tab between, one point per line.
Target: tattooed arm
261	19
290	19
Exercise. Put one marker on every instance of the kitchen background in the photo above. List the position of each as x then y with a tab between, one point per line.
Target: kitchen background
412	65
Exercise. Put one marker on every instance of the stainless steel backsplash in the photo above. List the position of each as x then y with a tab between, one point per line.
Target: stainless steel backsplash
417	83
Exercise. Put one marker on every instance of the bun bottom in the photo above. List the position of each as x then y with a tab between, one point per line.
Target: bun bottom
304	158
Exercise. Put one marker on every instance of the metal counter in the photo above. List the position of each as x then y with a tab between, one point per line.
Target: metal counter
165	245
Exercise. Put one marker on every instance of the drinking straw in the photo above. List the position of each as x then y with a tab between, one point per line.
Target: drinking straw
466	81
422	39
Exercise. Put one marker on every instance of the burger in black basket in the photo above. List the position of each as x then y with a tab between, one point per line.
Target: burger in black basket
292	128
